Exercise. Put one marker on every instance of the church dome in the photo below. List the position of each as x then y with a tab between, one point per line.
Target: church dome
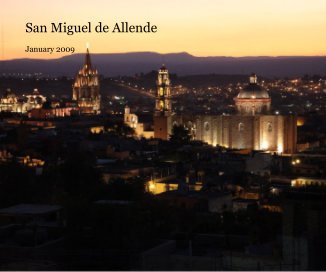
253	90
253	99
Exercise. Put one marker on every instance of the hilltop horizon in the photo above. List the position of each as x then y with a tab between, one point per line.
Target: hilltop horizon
168	53
182	63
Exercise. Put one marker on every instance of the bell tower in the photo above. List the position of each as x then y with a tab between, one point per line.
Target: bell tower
163	102
163	107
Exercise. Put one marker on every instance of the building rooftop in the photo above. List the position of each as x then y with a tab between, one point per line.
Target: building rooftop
29	209
113	202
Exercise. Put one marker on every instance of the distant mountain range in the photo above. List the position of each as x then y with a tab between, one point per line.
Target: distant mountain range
179	63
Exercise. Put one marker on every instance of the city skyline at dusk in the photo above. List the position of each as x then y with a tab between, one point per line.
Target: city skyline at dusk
185	135
206	28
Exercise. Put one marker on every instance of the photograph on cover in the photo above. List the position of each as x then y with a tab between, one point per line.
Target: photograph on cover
162	135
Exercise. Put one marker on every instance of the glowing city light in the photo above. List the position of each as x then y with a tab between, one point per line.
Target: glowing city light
151	186
265	145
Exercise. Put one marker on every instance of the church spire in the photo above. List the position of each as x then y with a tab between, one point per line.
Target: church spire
86	89
88	62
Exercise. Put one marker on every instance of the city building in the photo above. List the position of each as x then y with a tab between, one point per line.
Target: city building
131	120
10	102
30	226
86	89
253	127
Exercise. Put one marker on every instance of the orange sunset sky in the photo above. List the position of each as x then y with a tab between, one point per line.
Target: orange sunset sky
199	27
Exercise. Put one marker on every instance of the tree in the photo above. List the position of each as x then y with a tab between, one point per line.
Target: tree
180	135
119	128
124	130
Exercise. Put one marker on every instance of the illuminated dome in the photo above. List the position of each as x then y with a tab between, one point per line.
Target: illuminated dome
253	90
253	99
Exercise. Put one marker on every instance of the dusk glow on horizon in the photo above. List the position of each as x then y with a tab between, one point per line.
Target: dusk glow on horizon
202	28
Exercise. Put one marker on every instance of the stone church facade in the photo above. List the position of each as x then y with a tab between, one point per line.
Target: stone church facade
252	127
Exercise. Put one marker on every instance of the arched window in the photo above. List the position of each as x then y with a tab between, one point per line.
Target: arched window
269	127
161	105
206	126
241	127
